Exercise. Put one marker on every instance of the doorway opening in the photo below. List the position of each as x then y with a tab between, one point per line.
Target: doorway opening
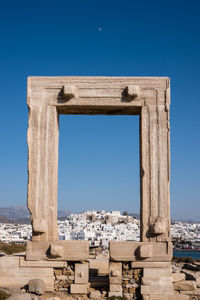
99	179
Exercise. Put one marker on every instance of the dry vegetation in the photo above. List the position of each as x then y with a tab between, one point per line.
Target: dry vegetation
4	295
11	248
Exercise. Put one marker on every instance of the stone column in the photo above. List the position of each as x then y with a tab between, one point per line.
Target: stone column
42	139
154	172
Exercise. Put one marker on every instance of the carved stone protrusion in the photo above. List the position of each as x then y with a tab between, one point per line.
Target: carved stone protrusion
115	273
159	226
145	251
133	91
56	250
39	225
81	273
69	91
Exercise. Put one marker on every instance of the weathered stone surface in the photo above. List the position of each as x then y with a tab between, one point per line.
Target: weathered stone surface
160	226
9	262
160	272
168	297
78	288
117	294
81	273
69	250
21	281
42	139
39	225
95	294
41	264
145	251
115	274
47	97
161	281
178	277
14	276
56	250
146	297
185	285
36	286
115	287
100	265
23	297
156	289
160	252
149	264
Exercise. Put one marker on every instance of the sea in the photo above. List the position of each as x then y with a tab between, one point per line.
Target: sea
185	253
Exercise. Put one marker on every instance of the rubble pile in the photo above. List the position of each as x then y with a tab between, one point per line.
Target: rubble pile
64	278
131	281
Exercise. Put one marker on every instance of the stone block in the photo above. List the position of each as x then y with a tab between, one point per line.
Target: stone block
47	97
157	281
115	287
178	277
78	288
21	281
149	272
28	272
156	289
130	251
41	263
115	274
14	276
150	264
101	266
9	262
185	285
36	286
71	250
56	250
169	297
145	251
69	91
160	226
95	294
81	273
116	294
39	225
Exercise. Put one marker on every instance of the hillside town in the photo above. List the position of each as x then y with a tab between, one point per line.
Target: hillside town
100	227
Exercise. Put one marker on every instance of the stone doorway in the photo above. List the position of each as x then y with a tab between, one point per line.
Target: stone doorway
147	97
47	98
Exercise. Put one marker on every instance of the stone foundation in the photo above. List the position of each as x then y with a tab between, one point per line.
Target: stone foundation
98	278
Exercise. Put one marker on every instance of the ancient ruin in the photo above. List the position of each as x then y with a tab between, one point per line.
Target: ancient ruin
146	263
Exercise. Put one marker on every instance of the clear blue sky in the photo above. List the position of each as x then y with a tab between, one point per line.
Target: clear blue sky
98	163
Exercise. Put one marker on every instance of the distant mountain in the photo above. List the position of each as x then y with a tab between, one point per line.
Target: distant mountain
14	212
63	214
4	220
21	215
